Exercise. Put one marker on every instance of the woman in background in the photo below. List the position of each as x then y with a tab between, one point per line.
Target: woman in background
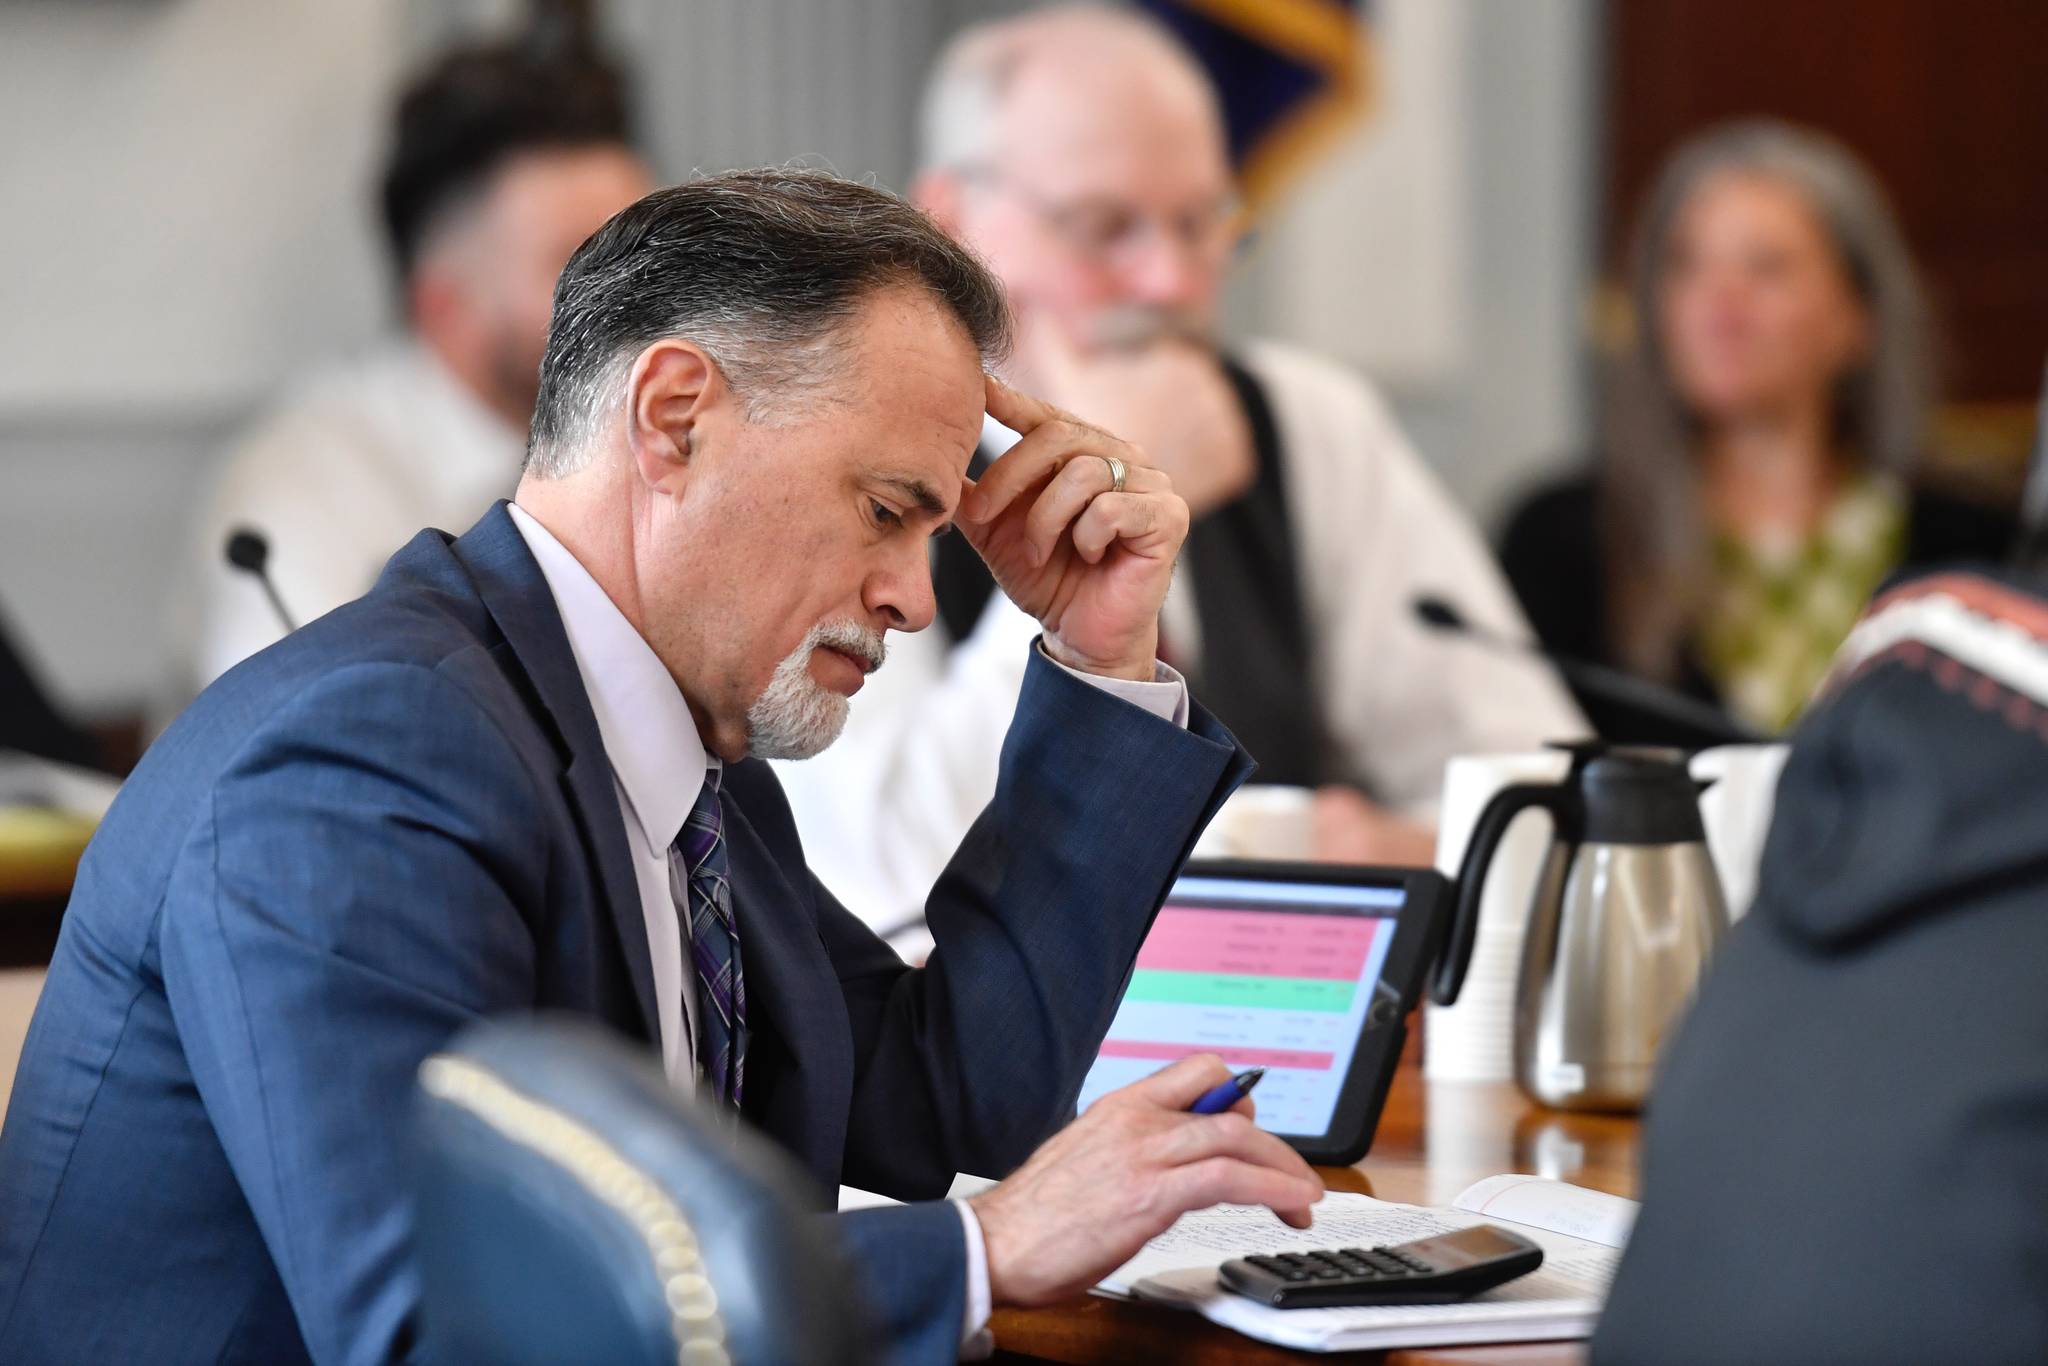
1762	439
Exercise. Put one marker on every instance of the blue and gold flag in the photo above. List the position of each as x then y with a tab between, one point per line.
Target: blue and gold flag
1291	73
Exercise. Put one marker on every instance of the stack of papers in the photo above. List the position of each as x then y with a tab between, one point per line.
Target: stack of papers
1581	1232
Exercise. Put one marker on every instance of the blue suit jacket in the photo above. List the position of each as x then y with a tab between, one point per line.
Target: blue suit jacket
401	819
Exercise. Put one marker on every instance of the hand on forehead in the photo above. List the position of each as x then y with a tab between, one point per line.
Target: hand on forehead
1018	411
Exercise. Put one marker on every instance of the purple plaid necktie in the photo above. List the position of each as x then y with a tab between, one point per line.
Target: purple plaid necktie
714	943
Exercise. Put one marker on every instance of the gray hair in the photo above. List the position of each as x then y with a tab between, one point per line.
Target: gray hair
759	268
1653	524
964	93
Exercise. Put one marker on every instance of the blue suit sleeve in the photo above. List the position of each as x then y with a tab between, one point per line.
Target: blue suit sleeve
349	903
912	1261
971	1062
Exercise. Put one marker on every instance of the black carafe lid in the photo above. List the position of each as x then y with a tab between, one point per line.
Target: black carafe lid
1637	794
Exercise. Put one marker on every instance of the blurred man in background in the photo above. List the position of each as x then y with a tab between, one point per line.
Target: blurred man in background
1081	152
502	162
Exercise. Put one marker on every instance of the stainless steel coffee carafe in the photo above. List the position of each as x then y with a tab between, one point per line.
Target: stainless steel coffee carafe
1626	912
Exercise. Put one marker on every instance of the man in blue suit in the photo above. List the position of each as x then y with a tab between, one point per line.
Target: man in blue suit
524	773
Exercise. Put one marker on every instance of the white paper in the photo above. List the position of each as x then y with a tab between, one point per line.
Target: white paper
1554	1206
1581	1233
1544	1305
853	1198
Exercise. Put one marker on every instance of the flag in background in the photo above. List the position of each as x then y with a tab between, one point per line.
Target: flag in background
1292	74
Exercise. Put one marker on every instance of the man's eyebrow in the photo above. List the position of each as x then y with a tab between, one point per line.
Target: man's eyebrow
915	490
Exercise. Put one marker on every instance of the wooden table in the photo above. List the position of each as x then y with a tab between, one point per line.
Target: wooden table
1435	1139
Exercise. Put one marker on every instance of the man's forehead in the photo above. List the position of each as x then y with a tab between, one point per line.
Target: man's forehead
919	390
932	461
1094	112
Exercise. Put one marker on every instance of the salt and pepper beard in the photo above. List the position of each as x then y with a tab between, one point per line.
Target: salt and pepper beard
795	716
1135	327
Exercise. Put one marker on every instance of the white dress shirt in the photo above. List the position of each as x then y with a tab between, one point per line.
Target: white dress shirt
659	765
881	810
345	471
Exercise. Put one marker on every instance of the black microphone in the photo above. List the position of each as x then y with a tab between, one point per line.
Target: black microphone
1611	685
249	551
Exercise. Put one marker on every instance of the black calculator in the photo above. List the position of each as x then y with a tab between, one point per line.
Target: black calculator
1450	1266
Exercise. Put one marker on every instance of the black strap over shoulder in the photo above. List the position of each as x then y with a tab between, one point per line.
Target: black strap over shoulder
1254	669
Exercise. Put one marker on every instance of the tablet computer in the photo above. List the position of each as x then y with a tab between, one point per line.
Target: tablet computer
1306	970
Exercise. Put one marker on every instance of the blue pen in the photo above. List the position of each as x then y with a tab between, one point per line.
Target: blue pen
1229	1093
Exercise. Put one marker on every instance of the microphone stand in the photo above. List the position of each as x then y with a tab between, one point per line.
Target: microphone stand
249	552
1610	685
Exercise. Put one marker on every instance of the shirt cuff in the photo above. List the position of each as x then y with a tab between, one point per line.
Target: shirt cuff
1166	696
976	1342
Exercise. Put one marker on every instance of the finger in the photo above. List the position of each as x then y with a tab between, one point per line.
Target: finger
975	523
1201	1137
1146	523
1079	483
1017	410
1027	464
1049	448
1178	1085
1225	1180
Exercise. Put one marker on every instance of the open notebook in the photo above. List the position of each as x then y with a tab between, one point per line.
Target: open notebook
1582	1233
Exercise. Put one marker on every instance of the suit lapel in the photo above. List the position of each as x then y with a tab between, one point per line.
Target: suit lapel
512	587
793	991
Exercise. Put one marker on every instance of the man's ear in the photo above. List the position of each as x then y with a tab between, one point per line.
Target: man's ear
671	386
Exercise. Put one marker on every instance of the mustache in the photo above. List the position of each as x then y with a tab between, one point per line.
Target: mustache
848	637
1133	327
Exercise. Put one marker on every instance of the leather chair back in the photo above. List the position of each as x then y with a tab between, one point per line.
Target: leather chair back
571	1205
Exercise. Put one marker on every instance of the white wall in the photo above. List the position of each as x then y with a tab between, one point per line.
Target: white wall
184	221
1368	255
1448	248
182	225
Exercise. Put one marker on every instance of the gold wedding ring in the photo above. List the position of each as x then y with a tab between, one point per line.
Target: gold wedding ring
1116	472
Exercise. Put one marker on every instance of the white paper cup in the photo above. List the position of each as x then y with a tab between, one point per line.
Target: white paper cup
1474	1040
1262	821
1737	813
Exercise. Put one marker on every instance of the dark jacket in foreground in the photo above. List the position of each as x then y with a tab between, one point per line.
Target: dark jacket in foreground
401	819
1846	1156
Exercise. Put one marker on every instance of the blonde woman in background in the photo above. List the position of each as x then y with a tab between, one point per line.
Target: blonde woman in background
1763	438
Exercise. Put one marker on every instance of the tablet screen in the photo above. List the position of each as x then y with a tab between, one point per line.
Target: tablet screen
1272	974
